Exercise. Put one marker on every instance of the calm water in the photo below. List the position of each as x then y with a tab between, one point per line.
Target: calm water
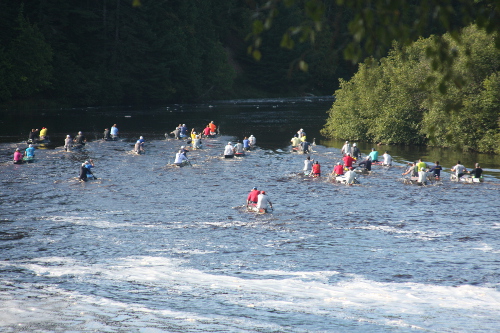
153	248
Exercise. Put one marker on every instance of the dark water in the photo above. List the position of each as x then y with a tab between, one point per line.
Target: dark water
153	248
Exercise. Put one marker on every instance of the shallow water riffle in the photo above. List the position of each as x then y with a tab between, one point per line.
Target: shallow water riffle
152	247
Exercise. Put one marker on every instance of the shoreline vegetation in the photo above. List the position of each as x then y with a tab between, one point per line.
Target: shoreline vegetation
399	99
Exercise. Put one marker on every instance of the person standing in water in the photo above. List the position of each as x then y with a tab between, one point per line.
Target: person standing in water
67	143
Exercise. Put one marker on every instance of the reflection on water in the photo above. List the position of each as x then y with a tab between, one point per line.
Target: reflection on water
150	247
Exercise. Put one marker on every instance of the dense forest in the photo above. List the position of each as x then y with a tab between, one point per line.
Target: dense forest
398	99
110	52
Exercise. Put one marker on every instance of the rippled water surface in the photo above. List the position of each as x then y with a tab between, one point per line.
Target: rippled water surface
149	247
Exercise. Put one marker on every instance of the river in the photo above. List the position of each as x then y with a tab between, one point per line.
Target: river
149	247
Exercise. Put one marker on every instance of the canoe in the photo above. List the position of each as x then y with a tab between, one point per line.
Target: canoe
254	209
466	179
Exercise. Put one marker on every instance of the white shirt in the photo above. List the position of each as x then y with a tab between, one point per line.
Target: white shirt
229	150
308	165
387	159
252	140
350	175
422	177
262	201
179	158
346	149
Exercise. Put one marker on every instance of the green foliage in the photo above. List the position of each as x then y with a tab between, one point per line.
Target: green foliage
398	100
26	63
374	25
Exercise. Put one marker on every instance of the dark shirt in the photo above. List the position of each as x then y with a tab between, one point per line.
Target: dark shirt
476	173
436	170
80	139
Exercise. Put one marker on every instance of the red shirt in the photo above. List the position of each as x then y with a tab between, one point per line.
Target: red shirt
338	169
316	168
348	161
253	195
206	131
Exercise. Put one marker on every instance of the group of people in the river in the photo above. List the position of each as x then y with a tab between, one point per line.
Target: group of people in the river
239	148
258	201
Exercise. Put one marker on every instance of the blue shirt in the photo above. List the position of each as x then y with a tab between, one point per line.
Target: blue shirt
30	152
374	155
246	143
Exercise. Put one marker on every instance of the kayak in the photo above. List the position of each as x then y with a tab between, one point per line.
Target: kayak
29	159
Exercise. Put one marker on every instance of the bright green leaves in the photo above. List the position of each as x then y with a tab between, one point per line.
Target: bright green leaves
407	97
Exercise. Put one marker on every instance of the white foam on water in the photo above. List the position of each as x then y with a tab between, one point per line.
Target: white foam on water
428	235
357	300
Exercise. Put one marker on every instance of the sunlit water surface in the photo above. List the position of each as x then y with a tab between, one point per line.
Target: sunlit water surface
149	247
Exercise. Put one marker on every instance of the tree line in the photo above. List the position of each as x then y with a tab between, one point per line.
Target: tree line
110	52
399	98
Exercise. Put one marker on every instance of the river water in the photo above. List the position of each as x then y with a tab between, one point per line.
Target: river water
149	247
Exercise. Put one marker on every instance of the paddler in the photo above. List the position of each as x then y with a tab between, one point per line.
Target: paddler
459	170
338	170
83	172
367	162
106	135
206	131
388	159
308	165
80	139
316	169
18	157
477	171
263	201
180	158
30	151
346	148
238	148
246	143
348	160
295	141
350	176
43	133
253	196
374	155
114	132
213	128
67	143
252	141
32	136
355	153
436	170
229	150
